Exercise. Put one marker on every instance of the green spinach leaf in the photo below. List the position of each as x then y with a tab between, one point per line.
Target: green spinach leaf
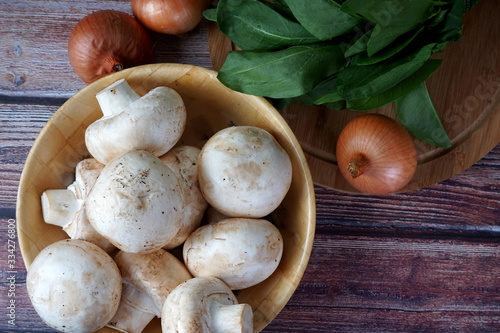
210	14
469	4
281	7
323	88
357	81
326	92
331	97
281	74
392	18
252	25
322	18
418	114
335	105
378	52
359	45
393	49
450	27
399	90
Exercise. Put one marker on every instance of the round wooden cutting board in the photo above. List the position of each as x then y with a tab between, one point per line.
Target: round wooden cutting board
465	91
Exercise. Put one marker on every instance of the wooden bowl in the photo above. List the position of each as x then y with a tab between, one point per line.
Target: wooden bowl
211	107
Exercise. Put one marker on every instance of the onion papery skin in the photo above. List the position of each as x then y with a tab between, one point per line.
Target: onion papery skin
376	155
107	41
172	17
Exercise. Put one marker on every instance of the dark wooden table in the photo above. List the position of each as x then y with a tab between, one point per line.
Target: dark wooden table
424	261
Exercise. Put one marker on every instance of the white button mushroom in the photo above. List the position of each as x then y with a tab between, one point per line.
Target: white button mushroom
147	281
182	160
66	207
244	172
60	205
74	286
136	203
205	305
240	251
153	122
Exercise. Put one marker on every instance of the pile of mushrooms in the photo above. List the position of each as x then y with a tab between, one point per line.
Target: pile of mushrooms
171	230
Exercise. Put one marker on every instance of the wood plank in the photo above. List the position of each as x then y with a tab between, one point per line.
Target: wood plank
401	274
363	284
468	202
19	127
295	319
34	37
368	284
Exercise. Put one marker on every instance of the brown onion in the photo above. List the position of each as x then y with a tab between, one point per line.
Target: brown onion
376	154
107	41
171	17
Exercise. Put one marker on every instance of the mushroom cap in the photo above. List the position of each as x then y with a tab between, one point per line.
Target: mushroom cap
136	203
74	286
183	162
156	273
193	305
240	251
244	172
154	123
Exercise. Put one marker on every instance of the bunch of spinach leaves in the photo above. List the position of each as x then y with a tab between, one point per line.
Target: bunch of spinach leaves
356	54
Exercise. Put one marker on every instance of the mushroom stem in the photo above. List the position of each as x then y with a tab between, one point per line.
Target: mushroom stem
205	304
60	206
358	165
135	311
116	97
66	207
236	318
147	281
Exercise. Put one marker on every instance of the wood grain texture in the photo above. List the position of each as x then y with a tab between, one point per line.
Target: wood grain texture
35	34
423	261
19	127
298	320
401	274
366	284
